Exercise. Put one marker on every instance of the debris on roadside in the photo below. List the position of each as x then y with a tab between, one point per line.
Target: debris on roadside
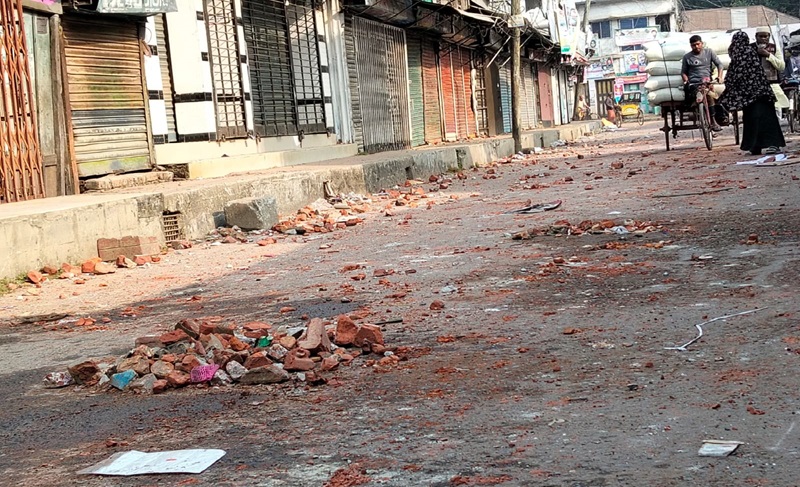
535	208
718	448
203	352
564	227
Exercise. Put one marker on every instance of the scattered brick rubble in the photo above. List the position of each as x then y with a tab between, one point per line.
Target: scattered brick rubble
588	227
205	352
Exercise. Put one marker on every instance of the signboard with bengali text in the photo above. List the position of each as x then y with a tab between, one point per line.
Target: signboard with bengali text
632	37
136	7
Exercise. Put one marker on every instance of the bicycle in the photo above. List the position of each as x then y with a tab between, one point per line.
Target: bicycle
702	113
792	90
618	115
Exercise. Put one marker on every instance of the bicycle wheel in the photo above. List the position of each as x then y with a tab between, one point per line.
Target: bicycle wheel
618	118
703	122
794	113
735	122
640	117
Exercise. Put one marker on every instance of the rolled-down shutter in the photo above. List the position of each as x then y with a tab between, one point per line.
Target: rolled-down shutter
505	96
106	96
415	89
431	99
449	102
166	78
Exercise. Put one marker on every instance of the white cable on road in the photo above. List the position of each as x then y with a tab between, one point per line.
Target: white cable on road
700	328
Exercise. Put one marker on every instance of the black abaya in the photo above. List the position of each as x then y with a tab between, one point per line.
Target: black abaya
761	127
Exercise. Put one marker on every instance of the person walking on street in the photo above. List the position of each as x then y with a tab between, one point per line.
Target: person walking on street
696	67
609	104
747	89
771	59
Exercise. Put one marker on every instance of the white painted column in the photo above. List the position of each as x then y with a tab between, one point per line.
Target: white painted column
155	89
341	117
191	72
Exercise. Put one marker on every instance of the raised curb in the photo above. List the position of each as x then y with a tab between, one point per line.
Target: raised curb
66	229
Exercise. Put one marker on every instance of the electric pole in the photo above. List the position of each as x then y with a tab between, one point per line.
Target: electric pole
516	118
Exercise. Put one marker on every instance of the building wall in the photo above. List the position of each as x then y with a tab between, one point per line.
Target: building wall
733	18
195	112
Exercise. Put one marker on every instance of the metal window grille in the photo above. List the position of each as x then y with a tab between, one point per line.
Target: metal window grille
284	67
481	110
223	54
305	67
172	226
20	158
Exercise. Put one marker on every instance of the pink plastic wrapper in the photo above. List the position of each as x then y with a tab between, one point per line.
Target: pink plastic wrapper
203	373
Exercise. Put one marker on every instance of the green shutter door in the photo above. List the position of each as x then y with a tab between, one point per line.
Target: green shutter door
414	47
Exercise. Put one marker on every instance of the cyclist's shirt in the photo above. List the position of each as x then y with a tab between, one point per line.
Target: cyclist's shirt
698	66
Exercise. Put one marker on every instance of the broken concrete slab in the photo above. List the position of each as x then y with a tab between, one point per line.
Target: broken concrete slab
256	213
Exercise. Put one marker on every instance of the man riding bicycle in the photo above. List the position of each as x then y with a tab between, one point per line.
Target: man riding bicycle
696	69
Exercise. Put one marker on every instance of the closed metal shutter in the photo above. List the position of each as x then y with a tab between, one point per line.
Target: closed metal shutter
106	96
505	96
383	85
448	93
415	90
352	81
431	96
480	94
469	97
226	76
529	96
465	118
166	78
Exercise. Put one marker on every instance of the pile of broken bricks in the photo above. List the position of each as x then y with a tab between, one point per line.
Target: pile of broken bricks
589	227
217	354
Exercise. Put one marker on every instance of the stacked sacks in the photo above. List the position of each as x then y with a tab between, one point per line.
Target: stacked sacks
664	64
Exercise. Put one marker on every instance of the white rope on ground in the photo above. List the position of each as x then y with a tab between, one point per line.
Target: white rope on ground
699	327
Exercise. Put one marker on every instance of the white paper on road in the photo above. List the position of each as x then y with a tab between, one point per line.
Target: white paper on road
718	448
142	463
771	159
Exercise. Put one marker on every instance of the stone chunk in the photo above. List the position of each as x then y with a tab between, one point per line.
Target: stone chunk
178	379
346	330
143	385
86	373
257	213
316	337
140	365
369	333
299	360
235	370
174	337
161	369
191	327
258	359
271	374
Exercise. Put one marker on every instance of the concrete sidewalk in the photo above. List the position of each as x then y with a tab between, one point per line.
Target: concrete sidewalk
65	229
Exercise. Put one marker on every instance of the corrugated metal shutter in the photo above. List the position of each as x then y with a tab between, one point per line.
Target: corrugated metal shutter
465	118
430	82
106	95
469	99
529	100
383	85
448	93
166	78
415	89
352	75
505	96
480	94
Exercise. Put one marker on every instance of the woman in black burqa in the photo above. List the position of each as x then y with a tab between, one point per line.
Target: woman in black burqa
747	89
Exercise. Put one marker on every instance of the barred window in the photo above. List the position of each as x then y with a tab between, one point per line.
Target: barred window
226	75
284	67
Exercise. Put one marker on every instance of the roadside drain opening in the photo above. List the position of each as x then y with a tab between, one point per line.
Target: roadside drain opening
172	225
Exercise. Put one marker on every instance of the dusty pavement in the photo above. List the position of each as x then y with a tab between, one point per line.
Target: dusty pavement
547	365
